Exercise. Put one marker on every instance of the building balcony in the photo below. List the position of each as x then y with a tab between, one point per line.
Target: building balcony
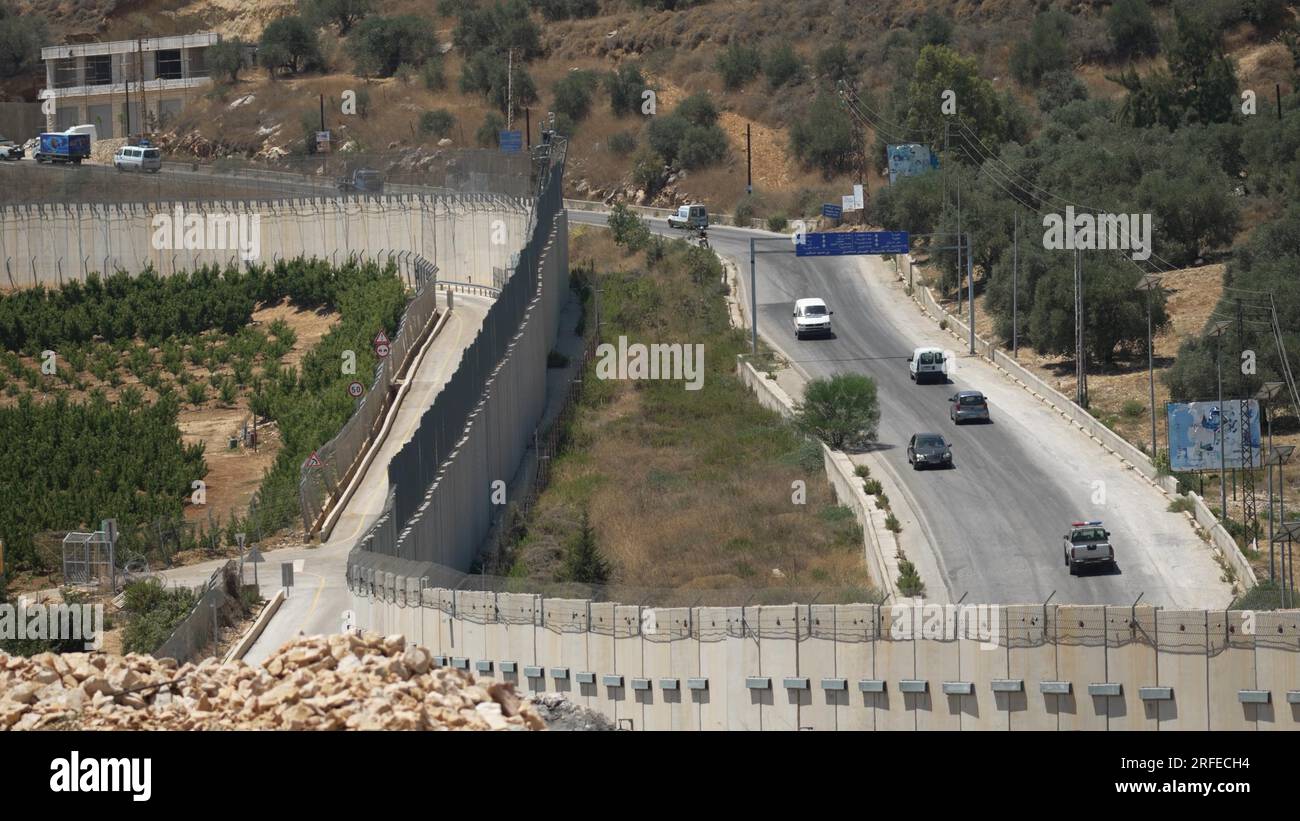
120	89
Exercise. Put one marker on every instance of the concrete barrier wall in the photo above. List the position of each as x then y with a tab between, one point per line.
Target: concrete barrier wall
1111	442
457	510
864	667
465	235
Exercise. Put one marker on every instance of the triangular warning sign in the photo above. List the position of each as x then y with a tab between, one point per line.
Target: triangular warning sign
314	461
381	338
254	556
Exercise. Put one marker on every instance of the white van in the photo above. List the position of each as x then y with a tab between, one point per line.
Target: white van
137	158
927	364
689	216
811	318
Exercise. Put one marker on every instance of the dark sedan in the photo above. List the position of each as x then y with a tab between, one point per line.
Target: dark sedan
967	405
925	449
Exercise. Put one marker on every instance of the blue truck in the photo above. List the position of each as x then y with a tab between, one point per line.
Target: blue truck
60	148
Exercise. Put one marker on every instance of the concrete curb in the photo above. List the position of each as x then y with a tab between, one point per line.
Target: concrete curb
250	638
1115	445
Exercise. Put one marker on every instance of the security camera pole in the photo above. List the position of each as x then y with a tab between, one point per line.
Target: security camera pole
1268	392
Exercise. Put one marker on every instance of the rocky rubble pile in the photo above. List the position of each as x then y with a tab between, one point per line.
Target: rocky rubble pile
347	681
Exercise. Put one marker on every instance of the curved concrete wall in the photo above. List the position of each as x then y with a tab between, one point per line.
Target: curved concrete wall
465	235
858	667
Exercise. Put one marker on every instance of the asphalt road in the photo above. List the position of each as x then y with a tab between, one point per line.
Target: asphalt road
996	519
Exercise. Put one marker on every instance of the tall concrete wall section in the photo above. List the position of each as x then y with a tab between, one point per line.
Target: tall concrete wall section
1081	660
855	628
862	667
1277	667
1232	669
1031	659
466	236
1130	663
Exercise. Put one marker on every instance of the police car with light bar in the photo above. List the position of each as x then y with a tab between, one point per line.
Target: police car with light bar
1088	545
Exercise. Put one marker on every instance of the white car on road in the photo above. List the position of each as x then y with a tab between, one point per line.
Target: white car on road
811	318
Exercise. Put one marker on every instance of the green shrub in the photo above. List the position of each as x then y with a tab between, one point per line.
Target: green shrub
628	229
909	580
289	43
573	94
625	87
738	64
832	63
432	73
381	45
622	143
1182	504
861	471
489	133
153	611
781	65
872	487
892	524
777	223
1132	408
439	122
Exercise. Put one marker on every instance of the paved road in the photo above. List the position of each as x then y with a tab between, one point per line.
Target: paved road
996	519
320	596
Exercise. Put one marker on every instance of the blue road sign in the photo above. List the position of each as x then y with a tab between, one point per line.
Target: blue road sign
832	211
835	244
511	140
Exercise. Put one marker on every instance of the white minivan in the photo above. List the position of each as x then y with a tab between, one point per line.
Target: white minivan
927	364
137	158
811	318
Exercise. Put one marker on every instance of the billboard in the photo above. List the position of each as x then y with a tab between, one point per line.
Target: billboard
909	160
1194	434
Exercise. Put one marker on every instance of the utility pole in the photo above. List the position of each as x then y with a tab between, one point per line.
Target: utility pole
749	163
510	90
1079	397
1149	284
1015	285
970	290
958	246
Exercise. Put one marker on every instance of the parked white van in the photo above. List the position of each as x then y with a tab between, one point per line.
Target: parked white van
927	364
137	158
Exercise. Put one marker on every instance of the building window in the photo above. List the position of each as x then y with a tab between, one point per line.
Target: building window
198	62
168	64
99	70
65	72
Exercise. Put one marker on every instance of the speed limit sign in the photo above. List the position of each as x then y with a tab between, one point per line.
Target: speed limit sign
355	389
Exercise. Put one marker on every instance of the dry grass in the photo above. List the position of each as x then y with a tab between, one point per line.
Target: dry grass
687	489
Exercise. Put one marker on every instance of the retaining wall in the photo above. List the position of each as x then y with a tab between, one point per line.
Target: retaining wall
859	666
